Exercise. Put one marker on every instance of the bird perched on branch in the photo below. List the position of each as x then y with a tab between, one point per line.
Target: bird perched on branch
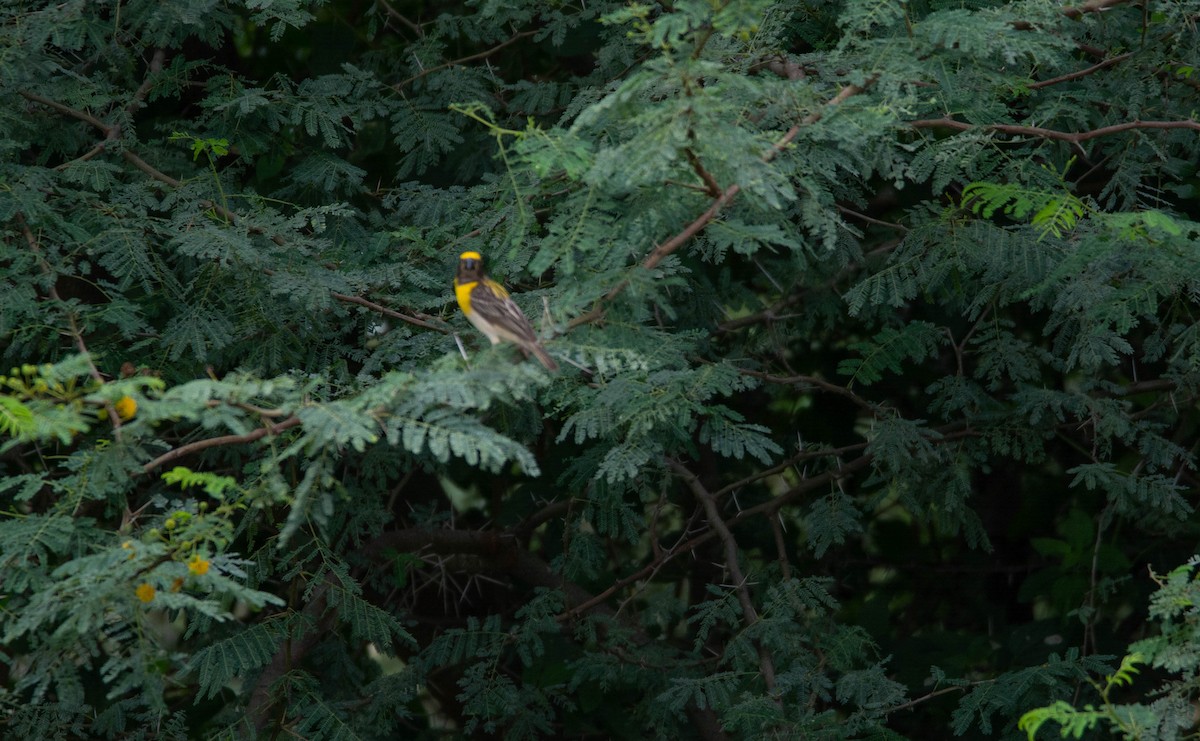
493	312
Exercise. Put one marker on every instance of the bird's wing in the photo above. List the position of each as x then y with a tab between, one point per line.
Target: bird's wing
493	304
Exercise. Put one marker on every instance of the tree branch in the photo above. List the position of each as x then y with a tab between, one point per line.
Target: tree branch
72	323
464	60
65	110
213	442
869	219
1081	73
766	664
153	67
771	506
802	380
388	312
660	252
412	26
292	651
666	248
1092	6
1074	137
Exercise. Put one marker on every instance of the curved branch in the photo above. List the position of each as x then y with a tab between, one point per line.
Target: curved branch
463	60
65	110
1081	73
213	442
766	664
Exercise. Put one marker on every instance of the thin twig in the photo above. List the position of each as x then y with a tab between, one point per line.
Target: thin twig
464	60
785	568
388	312
72	324
774	311
765	662
1081	73
690	545
927	697
870	219
412	26
800	457
1074	137
803	380
213	442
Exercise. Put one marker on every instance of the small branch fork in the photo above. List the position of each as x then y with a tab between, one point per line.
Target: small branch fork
660	252
765	663
72	324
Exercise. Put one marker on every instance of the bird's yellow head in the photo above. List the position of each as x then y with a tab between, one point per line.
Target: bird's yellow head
470	267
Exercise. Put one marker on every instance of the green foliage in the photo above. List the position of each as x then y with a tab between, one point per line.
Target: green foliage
1130	721
877	326
1053	213
886	351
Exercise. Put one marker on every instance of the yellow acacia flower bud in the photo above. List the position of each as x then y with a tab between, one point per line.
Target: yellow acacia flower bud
198	566
126	407
145	592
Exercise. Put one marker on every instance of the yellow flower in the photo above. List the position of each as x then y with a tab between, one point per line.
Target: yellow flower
145	592
198	566
126	407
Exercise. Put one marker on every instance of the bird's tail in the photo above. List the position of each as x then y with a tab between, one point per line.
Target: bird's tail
543	356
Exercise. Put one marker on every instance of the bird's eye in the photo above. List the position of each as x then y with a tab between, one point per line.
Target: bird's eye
469	263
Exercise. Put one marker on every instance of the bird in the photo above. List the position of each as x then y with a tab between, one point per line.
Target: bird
489	307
